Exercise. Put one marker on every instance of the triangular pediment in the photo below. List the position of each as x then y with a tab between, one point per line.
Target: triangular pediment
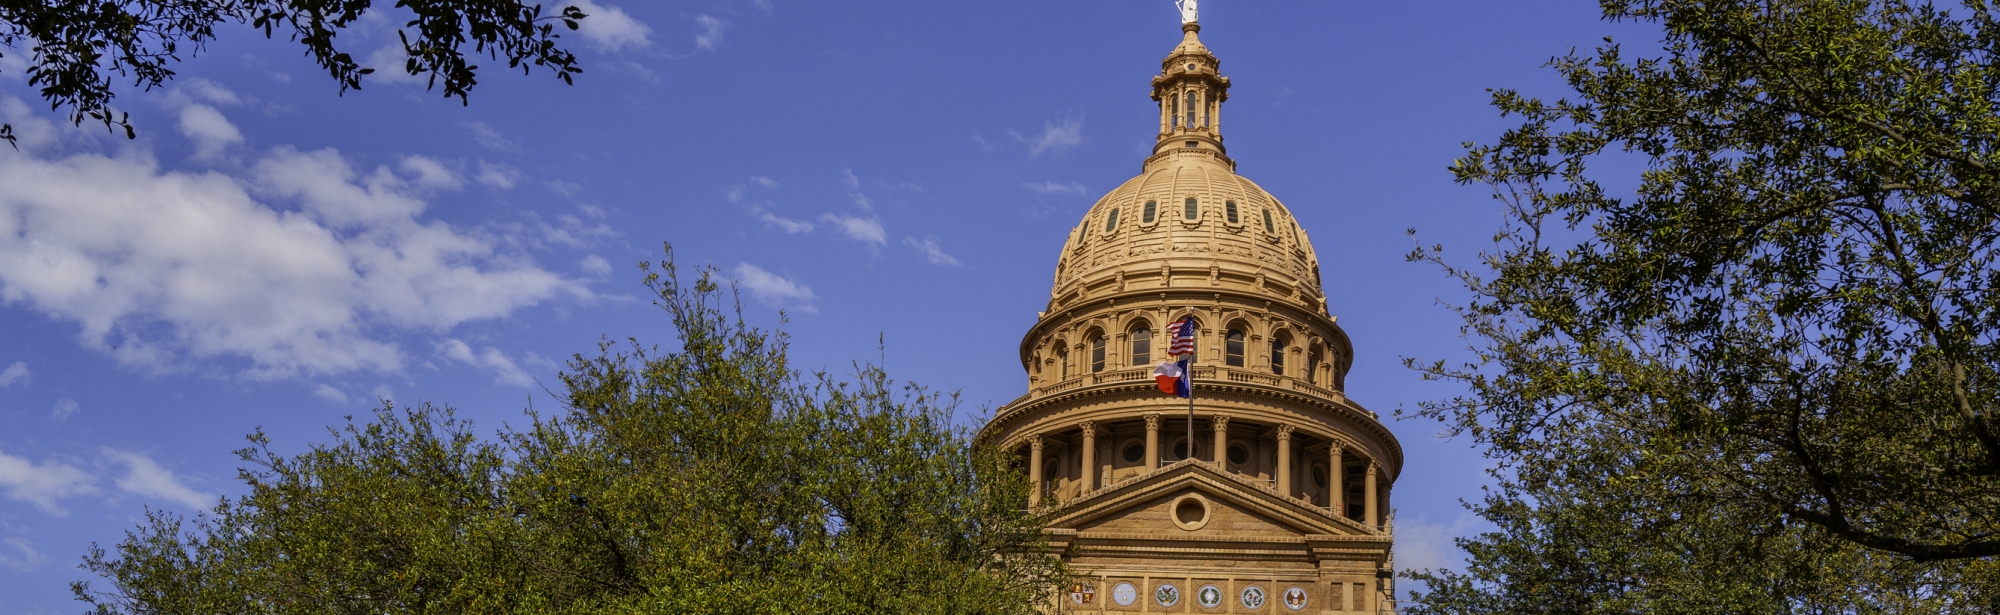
1234	506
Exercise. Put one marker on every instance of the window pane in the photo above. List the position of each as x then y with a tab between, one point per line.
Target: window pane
1278	357
1268	227
1147	217
1111	221
1142	346
1229	207
1097	354
1232	348
1191	210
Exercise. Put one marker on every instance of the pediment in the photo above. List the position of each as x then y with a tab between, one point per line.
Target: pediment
1237	507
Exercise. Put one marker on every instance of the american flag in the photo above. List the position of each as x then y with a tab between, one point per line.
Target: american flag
1183	342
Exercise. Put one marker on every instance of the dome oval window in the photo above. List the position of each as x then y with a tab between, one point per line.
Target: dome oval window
1181	449
1191	210
1229	209
1135	452
1146	217
1111	221
1239	454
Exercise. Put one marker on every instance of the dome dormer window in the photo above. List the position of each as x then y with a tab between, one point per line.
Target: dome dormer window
1268	226
1229	209
1146	217
1191	210
1111	221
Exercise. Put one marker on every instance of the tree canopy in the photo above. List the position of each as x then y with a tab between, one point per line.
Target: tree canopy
709	479
1765	381
81	50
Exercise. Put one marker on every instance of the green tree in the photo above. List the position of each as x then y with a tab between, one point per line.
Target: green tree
1765	381
82	49
711	479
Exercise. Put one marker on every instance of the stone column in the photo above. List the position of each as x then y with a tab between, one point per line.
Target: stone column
1221	425
1285	460
1368	487
1336	478
1089	461
1152	441
1034	471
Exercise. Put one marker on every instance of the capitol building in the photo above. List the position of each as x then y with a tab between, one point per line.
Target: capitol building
1273	497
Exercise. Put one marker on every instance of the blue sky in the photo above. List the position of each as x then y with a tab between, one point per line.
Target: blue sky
268	254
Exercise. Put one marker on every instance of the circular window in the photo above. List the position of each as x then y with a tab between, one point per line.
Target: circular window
1319	476
1239	454
1191	512
1134	452
1181	449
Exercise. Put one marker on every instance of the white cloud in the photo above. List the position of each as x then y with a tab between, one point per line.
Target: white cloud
504	370
1055	188
853	185
1055	137
497	176
147	479
431	174
19	556
774	289
489	137
330	394
16	373
212	133
929	249
564	187
609	28
712	30
63	409
160	266
787	225
1423	545
382	394
391	64
765	181
44	484
762	209
595	265
762	5
203	90
865	230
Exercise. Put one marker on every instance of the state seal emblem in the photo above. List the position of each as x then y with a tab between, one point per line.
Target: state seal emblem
1295	598
1167	594
1125	594
1208	597
1253	598
1082	593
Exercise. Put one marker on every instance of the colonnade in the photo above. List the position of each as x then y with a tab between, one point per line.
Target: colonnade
1337	447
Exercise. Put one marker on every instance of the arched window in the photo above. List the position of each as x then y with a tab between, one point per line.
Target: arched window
1268	226
1191	210
1312	366
1205	108
1142	345
1229	208
1097	353
1062	359
1190	110
1232	348
1147	217
1175	103
1111	221
1278	345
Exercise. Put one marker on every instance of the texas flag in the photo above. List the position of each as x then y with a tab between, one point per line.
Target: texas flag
1173	378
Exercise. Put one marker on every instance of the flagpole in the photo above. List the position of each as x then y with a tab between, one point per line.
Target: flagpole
1190	377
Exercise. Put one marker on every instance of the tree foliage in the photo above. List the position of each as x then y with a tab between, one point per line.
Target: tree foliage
83	49
712	479
1765	381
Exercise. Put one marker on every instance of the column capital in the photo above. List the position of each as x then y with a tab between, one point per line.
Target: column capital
1220	421
1152	420
1035	442
1089	428
1285	433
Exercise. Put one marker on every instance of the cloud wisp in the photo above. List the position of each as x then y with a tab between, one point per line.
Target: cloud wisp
16	374
610	29
492	359
930	250
146	479
773	289
1055	137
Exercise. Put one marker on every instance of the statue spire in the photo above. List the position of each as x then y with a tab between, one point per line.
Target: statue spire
1188	11
1190	90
